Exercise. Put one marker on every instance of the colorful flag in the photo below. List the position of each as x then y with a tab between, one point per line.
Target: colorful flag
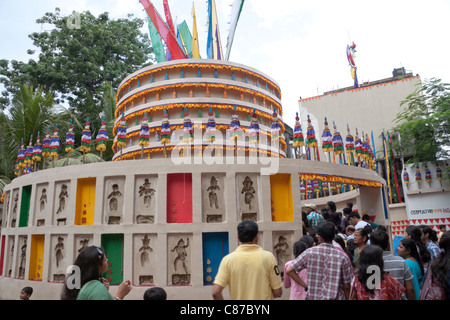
46	144
235	126
155	38
211	127
168	16
29	152
102	137
350	146
235	15
144	135
393	170
195	46
253	131
338	143
214	45
21	156
164	31
188	128
70	139
165	129
405	176
276	127
86	137
311	141
327	138
186	37
37	150
298	139
54	144
122	132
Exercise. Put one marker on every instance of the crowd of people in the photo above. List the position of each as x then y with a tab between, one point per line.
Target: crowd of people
340	257
350	258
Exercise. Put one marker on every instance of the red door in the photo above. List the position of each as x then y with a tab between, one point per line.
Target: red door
179	198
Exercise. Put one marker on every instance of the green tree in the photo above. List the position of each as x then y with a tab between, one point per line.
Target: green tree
424	123
74	62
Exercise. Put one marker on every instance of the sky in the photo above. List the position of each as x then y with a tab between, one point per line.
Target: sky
299	44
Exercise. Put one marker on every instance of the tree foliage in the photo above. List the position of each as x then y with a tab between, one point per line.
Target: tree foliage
424	123
74	62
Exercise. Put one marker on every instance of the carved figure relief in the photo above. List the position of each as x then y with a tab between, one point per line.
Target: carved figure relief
22	258
247	185
146	192
11	255
58	263
83	243
145	251
14	210
248	191
213	201
59	251
213	197
113	198
145	199
43	199
63	194
179	257
282	248
144	259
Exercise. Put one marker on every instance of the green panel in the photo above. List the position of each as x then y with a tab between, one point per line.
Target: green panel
25	206
113	246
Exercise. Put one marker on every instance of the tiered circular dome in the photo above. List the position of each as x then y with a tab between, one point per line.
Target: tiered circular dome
199	90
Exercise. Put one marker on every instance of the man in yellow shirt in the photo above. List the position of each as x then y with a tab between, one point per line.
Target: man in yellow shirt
250	272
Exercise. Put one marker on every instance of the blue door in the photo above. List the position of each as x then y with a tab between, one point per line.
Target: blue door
215	247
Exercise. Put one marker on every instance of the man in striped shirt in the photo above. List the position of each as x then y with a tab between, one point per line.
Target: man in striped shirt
395	266
329	271
313	216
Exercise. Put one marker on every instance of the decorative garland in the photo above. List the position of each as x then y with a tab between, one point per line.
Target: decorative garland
339	179
195	126
132	154
138	95
194	66
197	105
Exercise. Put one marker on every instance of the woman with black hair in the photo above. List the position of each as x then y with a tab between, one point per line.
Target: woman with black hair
407	249
371	282
360	238
440	267
415	233
92	263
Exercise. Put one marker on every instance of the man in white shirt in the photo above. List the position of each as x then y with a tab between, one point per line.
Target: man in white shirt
355	219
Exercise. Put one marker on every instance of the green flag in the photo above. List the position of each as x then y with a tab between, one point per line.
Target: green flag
186	37
158	48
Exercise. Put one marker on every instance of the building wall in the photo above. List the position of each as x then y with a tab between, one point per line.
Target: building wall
120	219
371	108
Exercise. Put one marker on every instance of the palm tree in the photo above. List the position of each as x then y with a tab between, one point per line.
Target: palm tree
32	110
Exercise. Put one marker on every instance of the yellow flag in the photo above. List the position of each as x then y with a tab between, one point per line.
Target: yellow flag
195	46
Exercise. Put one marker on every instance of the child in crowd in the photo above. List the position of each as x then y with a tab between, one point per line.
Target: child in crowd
26	293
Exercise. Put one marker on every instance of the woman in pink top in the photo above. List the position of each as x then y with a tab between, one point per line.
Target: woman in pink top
297	291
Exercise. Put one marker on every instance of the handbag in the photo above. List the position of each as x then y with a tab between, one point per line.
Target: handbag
432	289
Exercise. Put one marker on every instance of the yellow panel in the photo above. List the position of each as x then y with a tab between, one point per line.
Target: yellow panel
84	213
281	197
36	257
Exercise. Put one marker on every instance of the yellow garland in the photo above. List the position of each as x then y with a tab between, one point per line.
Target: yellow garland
133	154
307	176
194	66
196	126
138	95
197	105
